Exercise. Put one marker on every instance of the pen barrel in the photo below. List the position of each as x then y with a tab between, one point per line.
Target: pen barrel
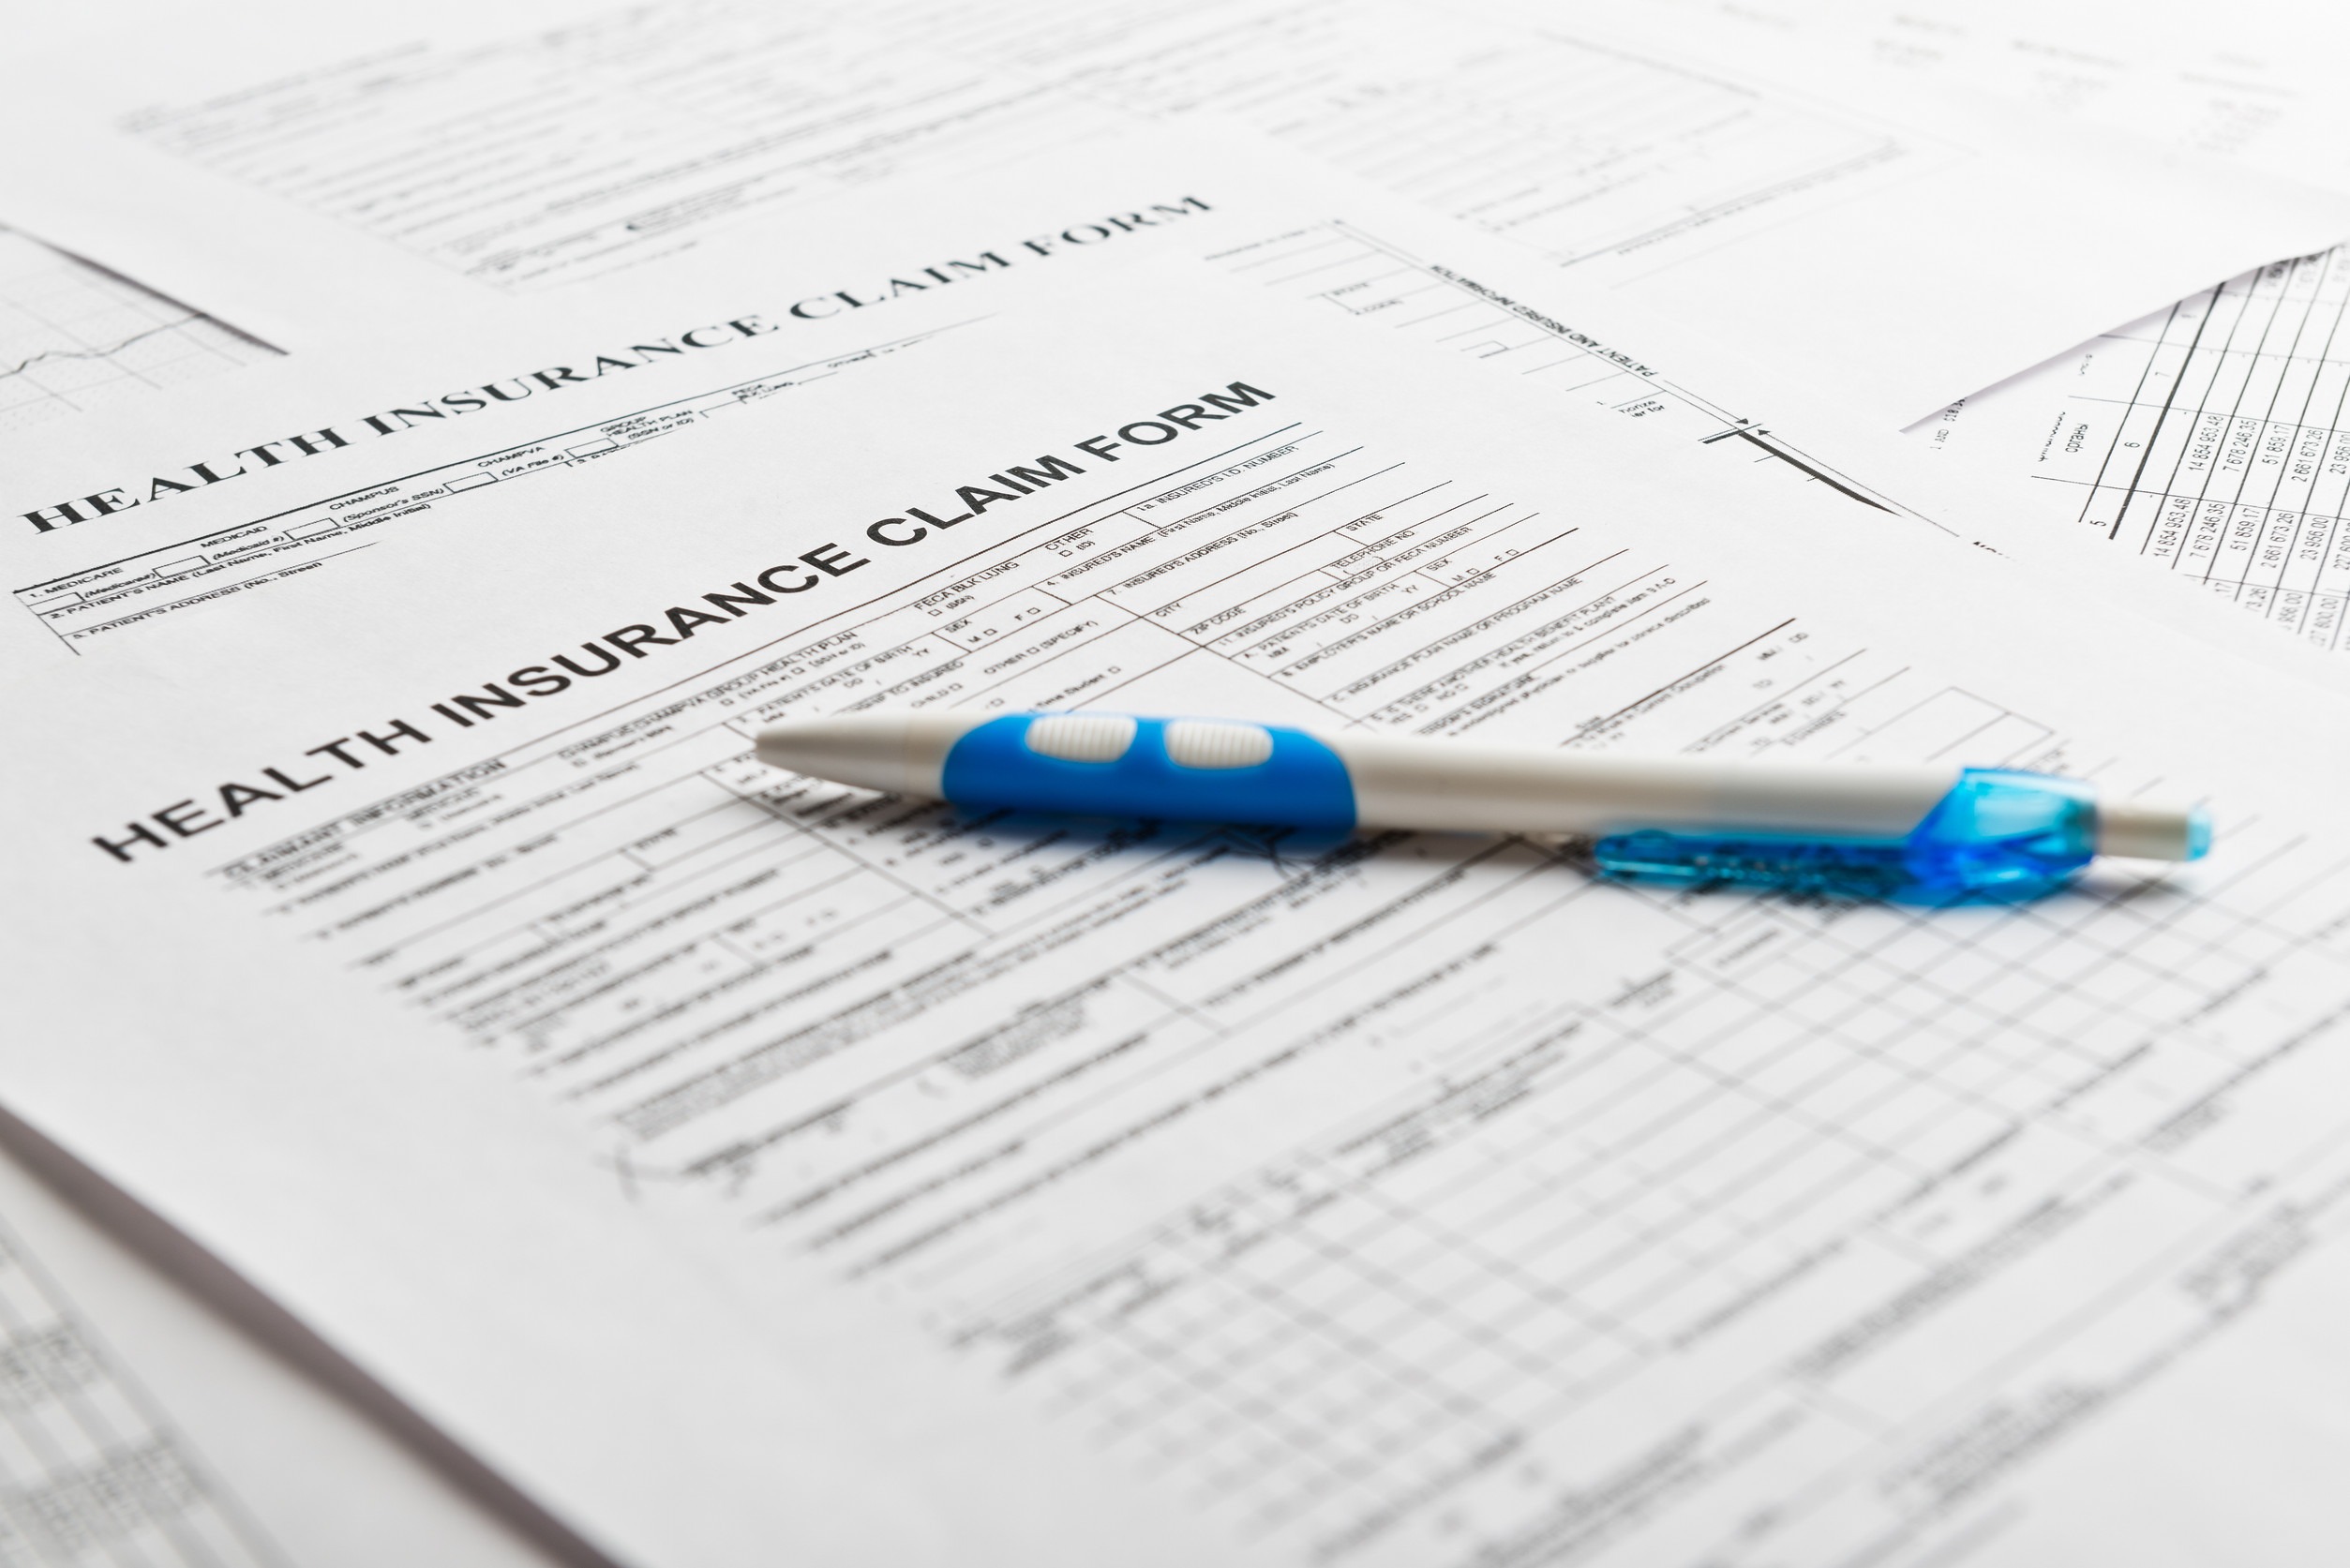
1213	770
901	753
1202	770
1448	786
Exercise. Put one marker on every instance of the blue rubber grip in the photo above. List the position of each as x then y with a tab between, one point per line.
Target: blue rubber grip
1302	785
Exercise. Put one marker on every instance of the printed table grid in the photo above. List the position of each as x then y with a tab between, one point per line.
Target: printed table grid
2228	458
1838	1190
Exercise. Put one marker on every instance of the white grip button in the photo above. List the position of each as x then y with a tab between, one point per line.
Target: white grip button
1082	737
1200	743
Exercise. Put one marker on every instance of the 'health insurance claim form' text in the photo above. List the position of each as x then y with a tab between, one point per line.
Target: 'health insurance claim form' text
1404	1201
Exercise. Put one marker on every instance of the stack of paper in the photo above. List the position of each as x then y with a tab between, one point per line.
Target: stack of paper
437	439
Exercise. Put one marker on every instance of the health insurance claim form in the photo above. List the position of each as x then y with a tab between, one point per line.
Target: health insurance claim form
429	175
132	516
1404	1201
713	345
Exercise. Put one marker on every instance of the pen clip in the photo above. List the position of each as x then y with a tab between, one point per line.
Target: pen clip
1847	867
1997	834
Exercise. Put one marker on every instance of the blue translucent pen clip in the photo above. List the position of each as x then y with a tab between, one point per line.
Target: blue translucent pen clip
1922	833
1997	834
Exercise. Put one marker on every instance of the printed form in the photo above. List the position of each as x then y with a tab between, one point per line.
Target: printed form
2156	68
86	575
481	168
128	517
116	525
1397	1201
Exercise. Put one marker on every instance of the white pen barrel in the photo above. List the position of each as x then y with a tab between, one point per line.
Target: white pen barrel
897	753
1447	785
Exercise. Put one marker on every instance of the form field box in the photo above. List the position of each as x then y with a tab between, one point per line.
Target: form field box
468	481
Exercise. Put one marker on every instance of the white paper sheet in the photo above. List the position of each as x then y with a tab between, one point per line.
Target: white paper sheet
2254	86
439	175
1423	1204
383	449
107	527
89	579
198	502
2205	438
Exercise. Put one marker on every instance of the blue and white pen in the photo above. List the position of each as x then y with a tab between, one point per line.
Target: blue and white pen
1853	829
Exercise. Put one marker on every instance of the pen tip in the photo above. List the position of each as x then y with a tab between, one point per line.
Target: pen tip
2198	833
2151	831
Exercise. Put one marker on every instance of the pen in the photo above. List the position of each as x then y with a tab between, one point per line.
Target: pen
1853	830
